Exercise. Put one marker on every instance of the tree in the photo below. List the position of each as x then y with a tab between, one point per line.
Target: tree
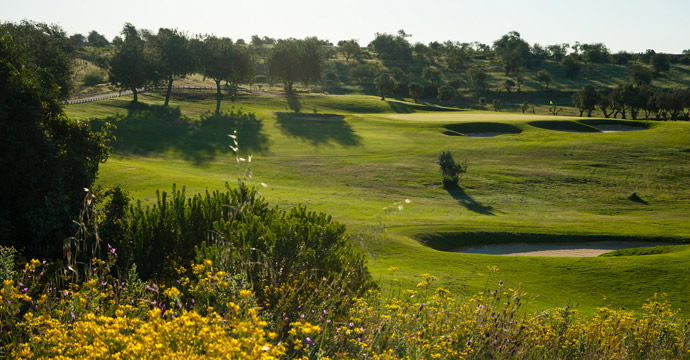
524	107
133	65
571	66
385	85
47	159
557	51
640	75
295	60
349	49
49	48
513	52
605	105
477	78
544	77
364	73
416	91
660	62
594	53
586	99
176	56
497	105
432	75
446	93
508	84
392	47
617	101
221	60
97	40
450	169
78	40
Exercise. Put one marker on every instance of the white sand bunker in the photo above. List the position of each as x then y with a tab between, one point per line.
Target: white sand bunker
617	128
580	249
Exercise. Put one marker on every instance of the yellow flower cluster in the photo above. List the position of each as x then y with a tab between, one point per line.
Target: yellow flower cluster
189	335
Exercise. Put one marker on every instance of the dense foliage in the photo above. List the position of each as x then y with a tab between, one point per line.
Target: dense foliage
47	160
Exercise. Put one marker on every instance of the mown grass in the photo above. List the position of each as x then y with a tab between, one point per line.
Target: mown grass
537	181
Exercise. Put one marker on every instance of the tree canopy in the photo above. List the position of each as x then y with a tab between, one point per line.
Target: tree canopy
176	56
134	65
47	160
293	60
221	60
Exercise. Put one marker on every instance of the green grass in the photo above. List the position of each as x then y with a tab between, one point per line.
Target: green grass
532	183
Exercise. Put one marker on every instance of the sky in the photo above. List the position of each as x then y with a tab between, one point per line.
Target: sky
632	25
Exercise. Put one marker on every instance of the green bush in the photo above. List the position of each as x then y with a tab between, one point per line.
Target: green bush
274	249
93	78
450	169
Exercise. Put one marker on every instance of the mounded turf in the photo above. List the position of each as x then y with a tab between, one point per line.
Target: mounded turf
358	158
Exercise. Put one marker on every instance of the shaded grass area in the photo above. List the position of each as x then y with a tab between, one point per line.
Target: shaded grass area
154	129
483	127
563	126
449	241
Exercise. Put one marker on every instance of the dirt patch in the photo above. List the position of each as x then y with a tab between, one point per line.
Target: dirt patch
582	249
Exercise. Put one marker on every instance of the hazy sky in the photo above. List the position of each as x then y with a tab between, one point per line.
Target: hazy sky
632	25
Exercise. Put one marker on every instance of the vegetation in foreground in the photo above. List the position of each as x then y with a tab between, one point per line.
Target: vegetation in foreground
275	283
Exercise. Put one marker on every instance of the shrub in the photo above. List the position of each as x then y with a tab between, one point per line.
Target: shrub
93	78
450	169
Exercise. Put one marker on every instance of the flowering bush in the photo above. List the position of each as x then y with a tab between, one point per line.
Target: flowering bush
209	314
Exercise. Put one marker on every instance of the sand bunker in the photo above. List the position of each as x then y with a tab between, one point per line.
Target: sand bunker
581	249
618	128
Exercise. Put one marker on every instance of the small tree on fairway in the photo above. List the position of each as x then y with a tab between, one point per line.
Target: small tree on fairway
450	169
385	85
524	107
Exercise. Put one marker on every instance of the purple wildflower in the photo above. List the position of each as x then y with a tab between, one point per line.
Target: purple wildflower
309	341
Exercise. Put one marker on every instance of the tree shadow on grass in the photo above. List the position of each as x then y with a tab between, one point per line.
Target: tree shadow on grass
468	202
150	129
293	102
318	129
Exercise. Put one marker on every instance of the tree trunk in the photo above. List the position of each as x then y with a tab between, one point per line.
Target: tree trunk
219	96
589	112
134	91
167	94
581	111
623	113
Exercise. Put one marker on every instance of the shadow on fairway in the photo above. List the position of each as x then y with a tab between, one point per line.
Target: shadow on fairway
159	129
318	129
468	202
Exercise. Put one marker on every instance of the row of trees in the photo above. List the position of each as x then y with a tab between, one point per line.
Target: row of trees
145	59
631	99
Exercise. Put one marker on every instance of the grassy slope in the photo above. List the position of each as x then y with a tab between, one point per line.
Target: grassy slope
538	181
